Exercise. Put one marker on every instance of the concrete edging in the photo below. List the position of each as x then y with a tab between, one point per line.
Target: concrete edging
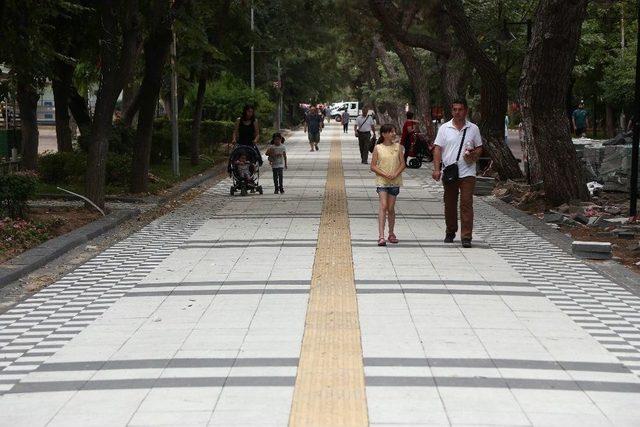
35	258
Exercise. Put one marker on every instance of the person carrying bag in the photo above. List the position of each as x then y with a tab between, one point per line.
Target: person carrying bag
364	129
459	175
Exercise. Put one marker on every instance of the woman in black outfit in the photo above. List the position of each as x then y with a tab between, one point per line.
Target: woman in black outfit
247	131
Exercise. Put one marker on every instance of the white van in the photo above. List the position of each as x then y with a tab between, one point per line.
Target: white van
351	106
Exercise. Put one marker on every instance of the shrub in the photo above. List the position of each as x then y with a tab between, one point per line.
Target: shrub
118	169
121	140
225	97
15	190
70	168
62	168
212	133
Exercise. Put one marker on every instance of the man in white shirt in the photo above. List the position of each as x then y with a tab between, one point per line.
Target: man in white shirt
458	142
364	128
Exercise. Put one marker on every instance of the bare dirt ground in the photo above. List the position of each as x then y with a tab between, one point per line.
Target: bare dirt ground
40	225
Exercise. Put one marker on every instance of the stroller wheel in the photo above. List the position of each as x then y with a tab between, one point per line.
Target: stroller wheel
260	189
243	191
232	191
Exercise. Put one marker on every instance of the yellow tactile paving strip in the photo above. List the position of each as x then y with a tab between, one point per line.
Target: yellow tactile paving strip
330	389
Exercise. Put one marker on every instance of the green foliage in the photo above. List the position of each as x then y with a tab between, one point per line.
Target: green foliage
61	168
605	69
212	134
618	80
70	168
121	140
15	190
226	96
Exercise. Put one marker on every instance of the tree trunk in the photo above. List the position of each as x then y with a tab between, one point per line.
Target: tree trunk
546	71
455	74
28	103
156	53
80	111
61	86
117	59
395	111
610	121
417	79
493	93
194	147
130	110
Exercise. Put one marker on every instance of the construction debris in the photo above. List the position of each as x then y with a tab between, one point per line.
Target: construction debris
592	250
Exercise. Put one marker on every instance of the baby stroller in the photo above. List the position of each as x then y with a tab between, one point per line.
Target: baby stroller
419	147
244	168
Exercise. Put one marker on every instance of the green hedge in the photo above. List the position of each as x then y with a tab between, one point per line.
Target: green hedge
15	190
212	134
69	168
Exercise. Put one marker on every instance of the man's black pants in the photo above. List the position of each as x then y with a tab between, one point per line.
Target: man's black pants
364	139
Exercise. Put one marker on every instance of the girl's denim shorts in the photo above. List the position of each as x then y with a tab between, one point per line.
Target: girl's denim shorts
392	191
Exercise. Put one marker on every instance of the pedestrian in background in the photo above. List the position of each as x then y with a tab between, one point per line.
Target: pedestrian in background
364	129
277	154
580	119
410	125
387	162
313	124
457	136
345	121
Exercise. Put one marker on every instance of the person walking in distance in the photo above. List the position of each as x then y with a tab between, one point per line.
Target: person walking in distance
345	121
278	158
313	124
580	119
387	162
457	136
364	128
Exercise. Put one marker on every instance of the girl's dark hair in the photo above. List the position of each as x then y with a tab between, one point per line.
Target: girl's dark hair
409	115
277	135
245	109
385	129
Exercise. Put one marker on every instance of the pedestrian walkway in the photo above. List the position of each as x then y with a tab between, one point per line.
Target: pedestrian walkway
274	310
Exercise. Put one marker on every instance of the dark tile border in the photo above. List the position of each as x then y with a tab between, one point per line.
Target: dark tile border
612	270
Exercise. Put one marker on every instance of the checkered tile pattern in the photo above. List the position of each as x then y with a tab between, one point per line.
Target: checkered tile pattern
609	312
36	328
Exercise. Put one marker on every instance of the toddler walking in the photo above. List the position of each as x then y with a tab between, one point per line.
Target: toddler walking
277	154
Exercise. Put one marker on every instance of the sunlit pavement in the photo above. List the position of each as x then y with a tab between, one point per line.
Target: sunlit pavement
199	318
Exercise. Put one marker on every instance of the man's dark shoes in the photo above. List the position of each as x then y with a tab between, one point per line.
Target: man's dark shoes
448	238
276	191
466	243
281	190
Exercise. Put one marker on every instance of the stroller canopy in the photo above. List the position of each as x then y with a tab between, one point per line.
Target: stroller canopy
252	153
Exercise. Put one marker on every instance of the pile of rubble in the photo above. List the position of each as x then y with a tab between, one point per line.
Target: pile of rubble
606	163
603	227
588	214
